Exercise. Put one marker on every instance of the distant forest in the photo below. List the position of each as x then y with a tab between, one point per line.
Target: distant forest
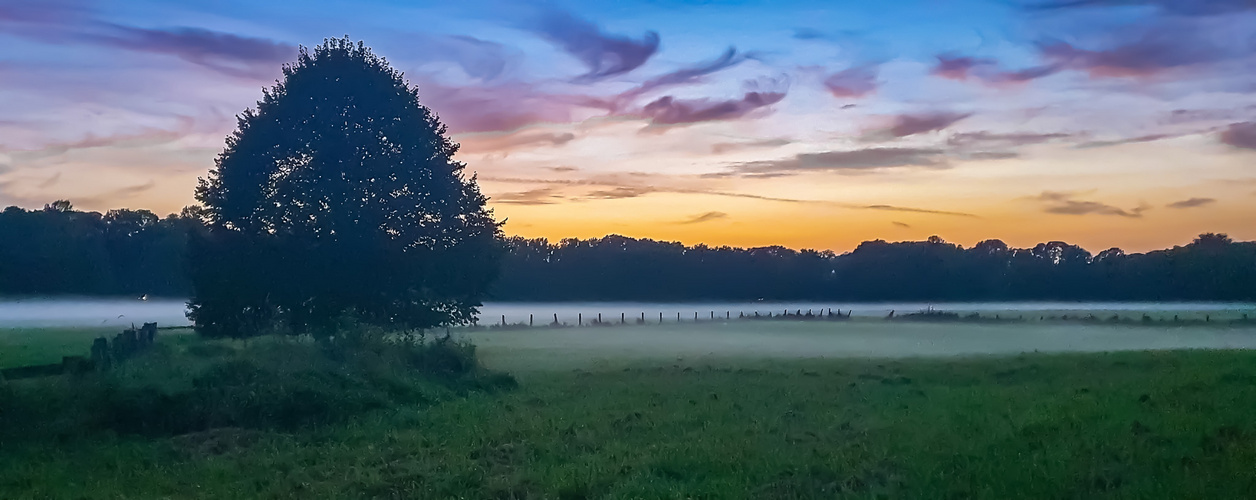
61	251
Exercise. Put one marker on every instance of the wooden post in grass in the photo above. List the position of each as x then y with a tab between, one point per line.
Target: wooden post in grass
599	318
678	316
621	318
660	318
503	320
555	319
529	320
579	319
695	316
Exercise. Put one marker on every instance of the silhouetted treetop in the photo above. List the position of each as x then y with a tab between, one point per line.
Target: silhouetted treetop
339	195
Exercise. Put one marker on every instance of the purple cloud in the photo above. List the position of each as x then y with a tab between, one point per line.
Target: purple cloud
907	124
854	82
605	55
1240	135
689	74
856	160
224	52
954	67
671	111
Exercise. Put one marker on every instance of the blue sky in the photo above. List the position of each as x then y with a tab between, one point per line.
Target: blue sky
816	124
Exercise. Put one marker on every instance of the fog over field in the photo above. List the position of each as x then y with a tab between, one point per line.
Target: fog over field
612	347
866	335
90	312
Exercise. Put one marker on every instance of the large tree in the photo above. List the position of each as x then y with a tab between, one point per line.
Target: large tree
339	196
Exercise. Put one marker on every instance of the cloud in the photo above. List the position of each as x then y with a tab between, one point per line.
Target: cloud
706	217
1191	203
1240	135
562	168
1150	54
1061	202
1128	140
912	124
854	82
955	67
671	111
901	224
809	34
479	143
112	197
224	52
478	58
856	160
605	55
539	196
494	108
1180	7
620	192
685	75
892	208
995	140
725	147
62	22
145	136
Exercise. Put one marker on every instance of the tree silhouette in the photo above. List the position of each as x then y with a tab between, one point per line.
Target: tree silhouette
338	196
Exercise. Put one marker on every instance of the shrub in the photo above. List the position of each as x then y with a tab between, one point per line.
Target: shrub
278	384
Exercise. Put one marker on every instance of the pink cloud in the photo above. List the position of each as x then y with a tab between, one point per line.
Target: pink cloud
854	82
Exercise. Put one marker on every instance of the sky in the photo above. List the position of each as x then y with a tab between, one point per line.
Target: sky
808	124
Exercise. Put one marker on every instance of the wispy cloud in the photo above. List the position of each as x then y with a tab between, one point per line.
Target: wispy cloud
671	111
1191	203
855	82
539	196
489	142
854	160
1064	203
605	55
1240	135
725	147
706	217
478	58
901	224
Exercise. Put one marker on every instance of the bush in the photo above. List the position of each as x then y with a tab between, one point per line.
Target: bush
270	384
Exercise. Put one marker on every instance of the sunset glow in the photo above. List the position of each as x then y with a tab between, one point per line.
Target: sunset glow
807	124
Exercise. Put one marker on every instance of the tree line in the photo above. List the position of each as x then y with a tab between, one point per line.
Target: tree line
58	250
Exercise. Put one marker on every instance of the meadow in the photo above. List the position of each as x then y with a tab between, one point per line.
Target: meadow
715	411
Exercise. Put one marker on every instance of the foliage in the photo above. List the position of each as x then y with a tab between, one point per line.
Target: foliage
1213	267
67	252
58	250
339	195
265	385
1127	425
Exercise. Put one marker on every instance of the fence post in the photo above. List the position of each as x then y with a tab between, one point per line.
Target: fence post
599	318
503	320
621	318
529	320
678	316
579	319
660	317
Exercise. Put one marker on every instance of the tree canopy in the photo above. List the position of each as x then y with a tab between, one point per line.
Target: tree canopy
339	195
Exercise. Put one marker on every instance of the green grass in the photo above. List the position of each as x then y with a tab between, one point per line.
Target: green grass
37	346
1171	424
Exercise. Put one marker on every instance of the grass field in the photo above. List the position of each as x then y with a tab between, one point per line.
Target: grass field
1160	424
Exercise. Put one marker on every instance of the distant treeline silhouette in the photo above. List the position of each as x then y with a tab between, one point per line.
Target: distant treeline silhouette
58	250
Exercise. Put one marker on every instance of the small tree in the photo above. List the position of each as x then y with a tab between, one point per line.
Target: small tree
339	196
